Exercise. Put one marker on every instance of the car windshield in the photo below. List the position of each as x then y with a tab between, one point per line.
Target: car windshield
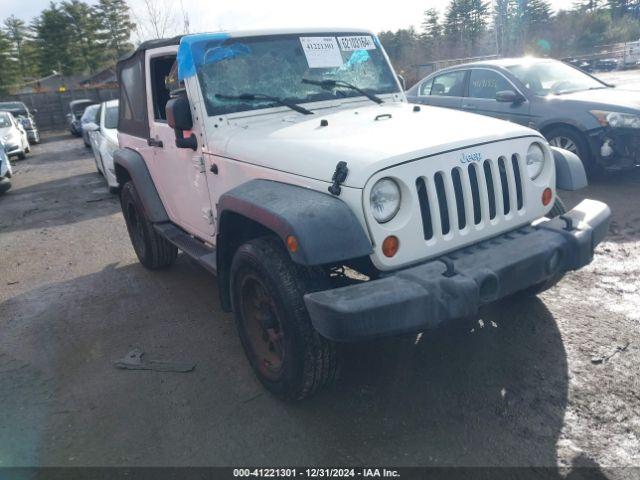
90	113
556	78
16	108
111	117
5	121
276	65
79	108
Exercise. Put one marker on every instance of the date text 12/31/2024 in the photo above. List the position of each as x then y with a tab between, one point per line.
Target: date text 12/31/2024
315	473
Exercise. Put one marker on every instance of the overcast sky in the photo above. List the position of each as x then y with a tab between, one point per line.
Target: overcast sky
248	14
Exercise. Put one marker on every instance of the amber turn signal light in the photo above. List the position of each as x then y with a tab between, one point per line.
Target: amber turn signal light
547	195
292	244
390	246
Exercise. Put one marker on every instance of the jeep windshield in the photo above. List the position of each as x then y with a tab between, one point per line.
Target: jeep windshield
276	65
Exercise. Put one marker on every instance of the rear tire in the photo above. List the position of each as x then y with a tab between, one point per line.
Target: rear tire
558	209
22	156
289	357
153	251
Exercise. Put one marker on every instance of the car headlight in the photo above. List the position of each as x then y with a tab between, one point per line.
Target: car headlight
535	160
616	119
384	200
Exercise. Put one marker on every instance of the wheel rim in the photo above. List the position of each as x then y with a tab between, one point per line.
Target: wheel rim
262	327
137	232
565	143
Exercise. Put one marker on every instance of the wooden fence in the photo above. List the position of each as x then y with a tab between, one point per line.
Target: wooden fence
50	109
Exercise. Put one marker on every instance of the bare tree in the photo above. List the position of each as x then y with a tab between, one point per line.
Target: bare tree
156	19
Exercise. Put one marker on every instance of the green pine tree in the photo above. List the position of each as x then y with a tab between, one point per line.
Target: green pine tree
115	26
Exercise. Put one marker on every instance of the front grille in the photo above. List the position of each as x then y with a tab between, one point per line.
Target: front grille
467	196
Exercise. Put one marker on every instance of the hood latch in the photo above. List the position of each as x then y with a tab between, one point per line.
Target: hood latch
339	176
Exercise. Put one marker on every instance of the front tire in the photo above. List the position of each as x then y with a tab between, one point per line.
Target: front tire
289	357
573	141
153	251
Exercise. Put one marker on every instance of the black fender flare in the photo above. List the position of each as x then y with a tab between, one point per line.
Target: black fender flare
325	227
570	172
131	162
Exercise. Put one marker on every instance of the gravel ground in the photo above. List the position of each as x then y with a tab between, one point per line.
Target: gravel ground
521	390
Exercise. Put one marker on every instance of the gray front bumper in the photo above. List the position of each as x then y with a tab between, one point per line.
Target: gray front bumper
457	284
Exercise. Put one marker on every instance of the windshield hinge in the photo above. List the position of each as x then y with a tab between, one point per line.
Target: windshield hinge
198	163
207	214
339	176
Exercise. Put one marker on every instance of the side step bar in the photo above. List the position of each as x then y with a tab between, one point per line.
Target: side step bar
197	250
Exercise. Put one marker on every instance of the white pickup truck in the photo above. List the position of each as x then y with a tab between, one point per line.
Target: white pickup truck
290	164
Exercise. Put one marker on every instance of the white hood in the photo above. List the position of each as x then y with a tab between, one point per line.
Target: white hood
368	138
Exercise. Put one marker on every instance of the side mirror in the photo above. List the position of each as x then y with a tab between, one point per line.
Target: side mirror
403	82
34	110
90	127
509	96
179	118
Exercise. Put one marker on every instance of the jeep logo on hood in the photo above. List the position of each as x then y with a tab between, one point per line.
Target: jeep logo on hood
470	157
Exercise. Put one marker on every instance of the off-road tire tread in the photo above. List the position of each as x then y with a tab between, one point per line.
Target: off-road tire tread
159	252
320	364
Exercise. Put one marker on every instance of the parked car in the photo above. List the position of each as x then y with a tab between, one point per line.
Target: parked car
331	210
13	136
76	109
572	109
90	116
5	170
606	64
24	116
104	141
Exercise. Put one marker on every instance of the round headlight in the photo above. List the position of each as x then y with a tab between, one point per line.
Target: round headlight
535	161
384	200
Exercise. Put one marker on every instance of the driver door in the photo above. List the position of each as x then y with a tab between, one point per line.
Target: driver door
178	172
481	97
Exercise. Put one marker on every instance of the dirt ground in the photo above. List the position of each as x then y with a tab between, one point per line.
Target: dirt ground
531	387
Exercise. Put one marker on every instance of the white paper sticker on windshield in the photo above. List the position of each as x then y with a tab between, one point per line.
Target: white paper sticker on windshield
363	42
321	52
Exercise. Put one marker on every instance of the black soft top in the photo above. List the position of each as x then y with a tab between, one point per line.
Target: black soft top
149	44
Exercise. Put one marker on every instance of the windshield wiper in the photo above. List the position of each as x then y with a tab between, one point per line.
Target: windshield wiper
253	97
329	84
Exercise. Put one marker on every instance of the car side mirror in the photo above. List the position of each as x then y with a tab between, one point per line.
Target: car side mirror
403	82
91	127
509	96
179	118
34	110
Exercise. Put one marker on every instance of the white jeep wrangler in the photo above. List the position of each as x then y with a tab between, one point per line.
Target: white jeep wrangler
290	164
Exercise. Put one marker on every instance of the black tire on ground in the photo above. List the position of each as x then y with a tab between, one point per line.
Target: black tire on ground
28	149
22	156
152	250
289	357
558	209
574	141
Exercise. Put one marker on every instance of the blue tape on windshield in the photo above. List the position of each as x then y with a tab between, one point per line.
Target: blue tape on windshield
356	58
192	51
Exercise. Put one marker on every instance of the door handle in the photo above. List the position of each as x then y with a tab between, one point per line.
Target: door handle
154	142
468	106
